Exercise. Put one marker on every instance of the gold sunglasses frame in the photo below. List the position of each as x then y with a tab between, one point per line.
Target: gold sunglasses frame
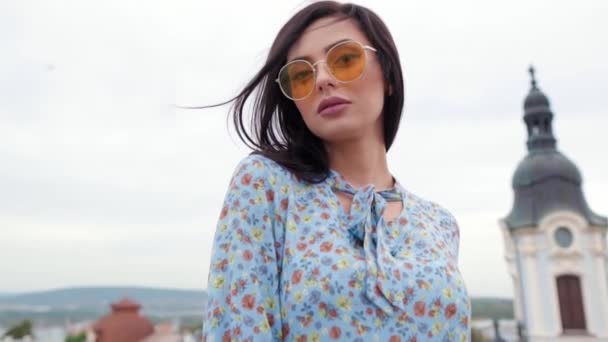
314	68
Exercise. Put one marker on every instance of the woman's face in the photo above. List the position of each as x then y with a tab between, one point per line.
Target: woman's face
364	97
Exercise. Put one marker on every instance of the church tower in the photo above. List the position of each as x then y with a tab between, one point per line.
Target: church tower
555	245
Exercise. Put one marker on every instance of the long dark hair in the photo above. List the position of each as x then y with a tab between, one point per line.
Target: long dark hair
277	128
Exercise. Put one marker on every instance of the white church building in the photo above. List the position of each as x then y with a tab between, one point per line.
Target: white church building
555	245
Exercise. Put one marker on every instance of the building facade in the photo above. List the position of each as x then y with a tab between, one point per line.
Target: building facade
555	245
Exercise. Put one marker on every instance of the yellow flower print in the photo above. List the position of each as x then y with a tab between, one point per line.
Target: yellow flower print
223	227
259	184
270	303
291	226
315	337
344	303
343	263
333	204
310	282
298	296
214	322
437	326
447	293
387	293
264	326
218	282
257	233
285	189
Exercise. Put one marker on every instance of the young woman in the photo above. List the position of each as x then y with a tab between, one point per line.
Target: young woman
316	239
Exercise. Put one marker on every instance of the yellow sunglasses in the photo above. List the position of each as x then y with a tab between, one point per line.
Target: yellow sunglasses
345	62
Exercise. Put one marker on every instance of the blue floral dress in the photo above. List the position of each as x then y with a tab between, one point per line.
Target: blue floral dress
289	263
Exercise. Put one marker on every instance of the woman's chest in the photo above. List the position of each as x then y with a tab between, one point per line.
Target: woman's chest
325	266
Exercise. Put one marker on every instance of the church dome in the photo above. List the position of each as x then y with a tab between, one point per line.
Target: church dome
545	180
536	98
541	165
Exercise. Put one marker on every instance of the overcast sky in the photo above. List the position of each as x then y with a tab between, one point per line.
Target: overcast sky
103	182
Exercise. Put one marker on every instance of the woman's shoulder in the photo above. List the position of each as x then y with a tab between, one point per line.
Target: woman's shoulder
259	166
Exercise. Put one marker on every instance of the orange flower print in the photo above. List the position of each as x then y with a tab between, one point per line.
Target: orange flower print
335	332
269	195
285	329
333	313
224	212
419	308
326	246
450	310
246	179
296	276
248	302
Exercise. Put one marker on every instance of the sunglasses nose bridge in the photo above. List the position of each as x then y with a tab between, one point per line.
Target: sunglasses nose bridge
314	66
326	67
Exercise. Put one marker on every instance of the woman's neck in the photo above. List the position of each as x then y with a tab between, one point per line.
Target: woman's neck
361	162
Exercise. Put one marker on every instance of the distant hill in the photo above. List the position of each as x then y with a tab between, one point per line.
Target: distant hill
57	306
487	307
90	303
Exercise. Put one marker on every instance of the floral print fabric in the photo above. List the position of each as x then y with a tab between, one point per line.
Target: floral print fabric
289	263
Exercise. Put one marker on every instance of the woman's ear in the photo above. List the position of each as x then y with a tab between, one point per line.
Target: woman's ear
390	90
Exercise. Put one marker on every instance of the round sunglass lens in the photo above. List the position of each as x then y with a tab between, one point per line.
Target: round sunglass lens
297	79
346	61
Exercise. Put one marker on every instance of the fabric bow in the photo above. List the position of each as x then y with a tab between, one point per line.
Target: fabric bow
367	225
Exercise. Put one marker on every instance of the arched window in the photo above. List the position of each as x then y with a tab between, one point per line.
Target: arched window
535	127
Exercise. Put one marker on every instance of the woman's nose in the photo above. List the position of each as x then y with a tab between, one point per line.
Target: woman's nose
324	78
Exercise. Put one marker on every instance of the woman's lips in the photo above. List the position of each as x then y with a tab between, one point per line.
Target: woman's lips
327	104
333	109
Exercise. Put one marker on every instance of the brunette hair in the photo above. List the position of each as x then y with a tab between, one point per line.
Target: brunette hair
277	128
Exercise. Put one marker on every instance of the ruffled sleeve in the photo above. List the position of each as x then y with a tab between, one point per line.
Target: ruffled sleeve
243	287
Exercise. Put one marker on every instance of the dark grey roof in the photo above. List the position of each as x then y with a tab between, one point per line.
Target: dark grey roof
541	165
545	180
